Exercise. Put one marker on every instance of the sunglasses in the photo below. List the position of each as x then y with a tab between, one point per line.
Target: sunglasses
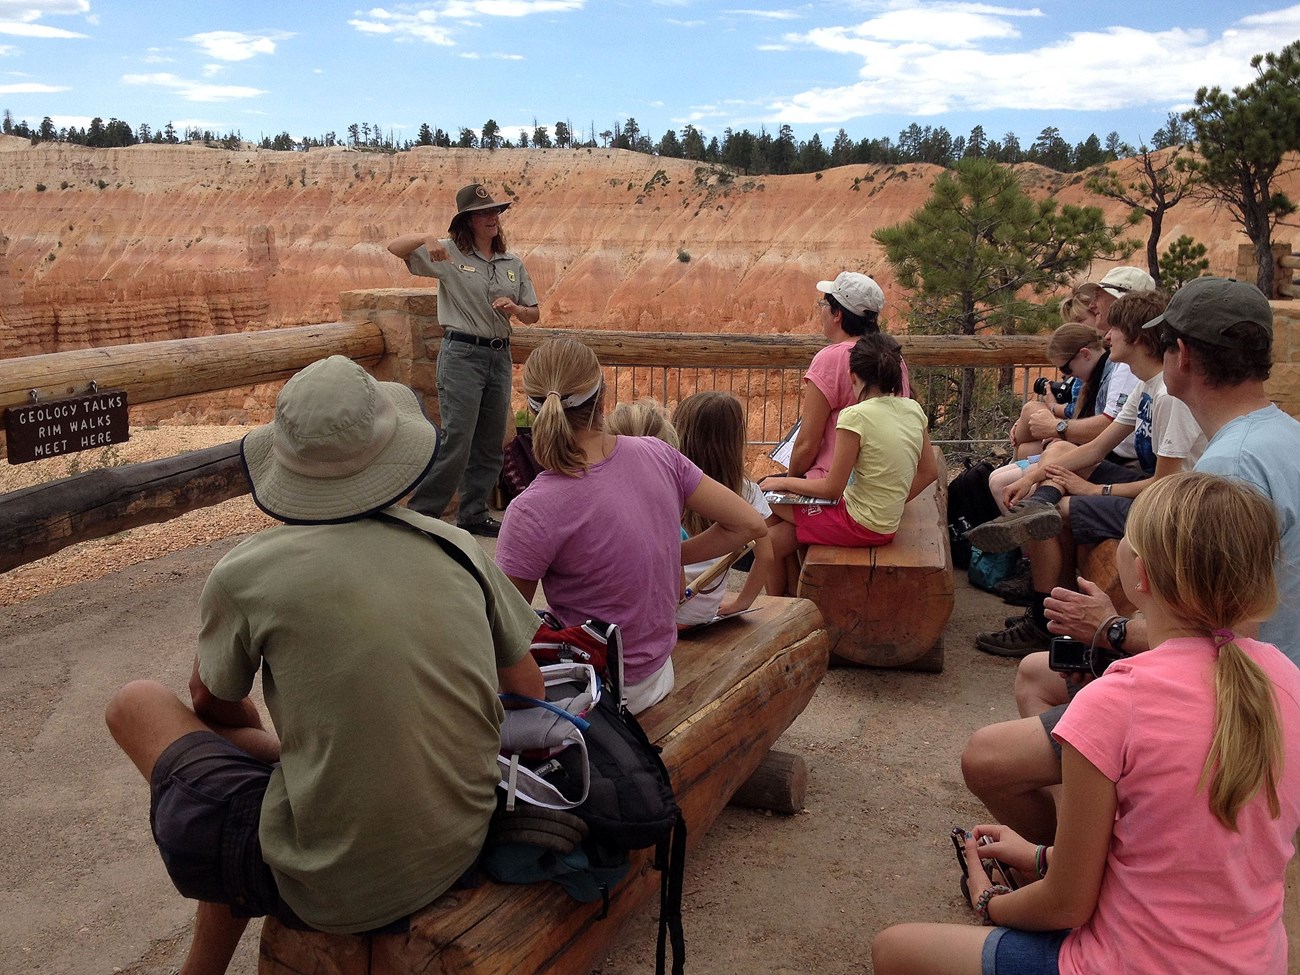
1166	338
1067	366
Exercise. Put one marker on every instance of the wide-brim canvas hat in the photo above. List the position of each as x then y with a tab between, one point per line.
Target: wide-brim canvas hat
1209	309
473	198
855	291
342	445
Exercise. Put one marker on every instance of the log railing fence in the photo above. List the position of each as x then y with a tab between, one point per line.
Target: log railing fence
393	332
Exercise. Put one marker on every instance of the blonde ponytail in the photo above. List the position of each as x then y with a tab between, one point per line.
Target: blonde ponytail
1246	750
562	370
1209	545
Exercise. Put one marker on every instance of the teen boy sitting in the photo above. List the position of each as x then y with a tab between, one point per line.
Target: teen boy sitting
1073	496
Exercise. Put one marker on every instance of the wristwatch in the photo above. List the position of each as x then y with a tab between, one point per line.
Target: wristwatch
1117	632
1061	427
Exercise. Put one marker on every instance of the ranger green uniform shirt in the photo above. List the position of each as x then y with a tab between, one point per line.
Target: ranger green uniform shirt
468	284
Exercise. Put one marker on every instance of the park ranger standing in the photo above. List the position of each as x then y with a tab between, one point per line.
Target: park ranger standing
481	287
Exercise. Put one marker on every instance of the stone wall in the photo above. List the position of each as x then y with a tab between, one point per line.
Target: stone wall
1284	383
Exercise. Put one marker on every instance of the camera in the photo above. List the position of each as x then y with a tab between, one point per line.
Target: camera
1061	392
1069	656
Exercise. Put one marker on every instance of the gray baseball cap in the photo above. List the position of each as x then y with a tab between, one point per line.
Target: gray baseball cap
1206	309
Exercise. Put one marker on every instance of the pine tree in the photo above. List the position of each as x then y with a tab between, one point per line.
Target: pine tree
979	252
1242	141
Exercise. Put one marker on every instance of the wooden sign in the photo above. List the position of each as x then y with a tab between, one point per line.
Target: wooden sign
64	426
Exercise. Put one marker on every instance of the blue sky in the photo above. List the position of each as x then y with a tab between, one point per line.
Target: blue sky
868	66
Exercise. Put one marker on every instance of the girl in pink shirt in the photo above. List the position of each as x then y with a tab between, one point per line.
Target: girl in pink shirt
1181	784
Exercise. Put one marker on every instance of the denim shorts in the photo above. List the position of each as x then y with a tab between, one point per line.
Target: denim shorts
1011	952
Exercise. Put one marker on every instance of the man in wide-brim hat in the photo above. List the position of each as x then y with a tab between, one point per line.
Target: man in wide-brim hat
382	636
481	287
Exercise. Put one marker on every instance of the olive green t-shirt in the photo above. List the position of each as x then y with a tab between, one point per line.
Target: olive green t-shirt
379	659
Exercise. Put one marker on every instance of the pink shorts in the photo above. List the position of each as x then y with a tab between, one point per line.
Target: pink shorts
816	524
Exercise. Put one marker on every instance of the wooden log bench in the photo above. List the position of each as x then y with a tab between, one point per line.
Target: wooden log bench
740	684
888	606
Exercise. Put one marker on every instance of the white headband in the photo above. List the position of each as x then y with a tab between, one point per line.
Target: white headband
568	402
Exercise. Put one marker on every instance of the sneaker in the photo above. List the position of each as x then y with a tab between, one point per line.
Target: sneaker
488	527
1030	519
1018	640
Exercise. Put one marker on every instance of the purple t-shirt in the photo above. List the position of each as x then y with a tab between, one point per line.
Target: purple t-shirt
608	545
829	372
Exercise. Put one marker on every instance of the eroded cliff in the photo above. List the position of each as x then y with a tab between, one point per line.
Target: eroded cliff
105	246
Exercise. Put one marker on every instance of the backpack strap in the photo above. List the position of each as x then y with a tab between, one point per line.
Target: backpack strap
670	860
426	526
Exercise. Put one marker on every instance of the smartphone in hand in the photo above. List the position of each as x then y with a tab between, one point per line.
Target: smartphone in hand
995	870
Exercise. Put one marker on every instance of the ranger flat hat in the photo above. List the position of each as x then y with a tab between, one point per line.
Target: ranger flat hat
472	198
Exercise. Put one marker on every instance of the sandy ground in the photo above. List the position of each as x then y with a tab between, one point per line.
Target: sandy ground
82	889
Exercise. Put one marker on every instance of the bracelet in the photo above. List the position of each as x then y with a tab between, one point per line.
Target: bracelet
1040	861
1106	489
982	902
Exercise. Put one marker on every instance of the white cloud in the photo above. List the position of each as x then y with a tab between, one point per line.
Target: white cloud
194	91
421	25
18	19
466	9
473	56
7	50
231	45
921	58
17	28
35	9
430	22
212	70
766	14
32	88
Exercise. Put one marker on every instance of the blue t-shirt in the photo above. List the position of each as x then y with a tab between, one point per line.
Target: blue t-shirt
1263	449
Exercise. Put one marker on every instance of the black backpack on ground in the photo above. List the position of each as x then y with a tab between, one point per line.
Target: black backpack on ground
969	504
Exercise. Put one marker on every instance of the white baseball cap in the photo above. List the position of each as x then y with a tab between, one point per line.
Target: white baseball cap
854	291
1119	281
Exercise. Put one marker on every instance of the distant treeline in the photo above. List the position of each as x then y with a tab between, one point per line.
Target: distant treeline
764	153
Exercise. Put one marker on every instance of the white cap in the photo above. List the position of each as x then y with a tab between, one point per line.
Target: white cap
1120	281
854	291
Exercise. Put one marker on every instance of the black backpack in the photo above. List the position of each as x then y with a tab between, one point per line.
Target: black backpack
630	805
970	503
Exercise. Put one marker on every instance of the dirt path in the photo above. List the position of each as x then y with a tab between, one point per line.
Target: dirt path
82	890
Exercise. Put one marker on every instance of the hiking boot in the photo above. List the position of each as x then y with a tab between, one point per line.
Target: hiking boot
1018	640
489	527
1030	519
1017	590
